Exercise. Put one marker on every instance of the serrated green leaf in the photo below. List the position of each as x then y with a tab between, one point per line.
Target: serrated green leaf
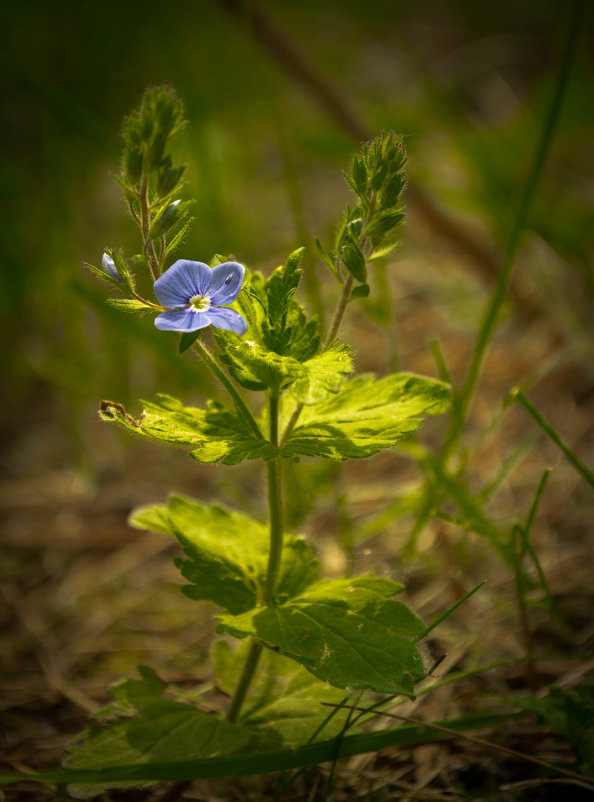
322	375
326	258
258	368
345	631
280	289
285	329
227	553
215	434
284	696
176	238
287	333
130	695
128	305
366	416
160	730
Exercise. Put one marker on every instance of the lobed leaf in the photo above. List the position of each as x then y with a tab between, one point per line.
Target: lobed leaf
227	553
215	433
367	416
310	382
258	368
347	632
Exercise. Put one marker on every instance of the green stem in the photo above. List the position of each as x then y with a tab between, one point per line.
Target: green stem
491	316
245	680
273	468
340	309
240	404
145	225
148	303
274	560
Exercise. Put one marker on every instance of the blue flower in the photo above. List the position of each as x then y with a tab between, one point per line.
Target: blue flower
193	293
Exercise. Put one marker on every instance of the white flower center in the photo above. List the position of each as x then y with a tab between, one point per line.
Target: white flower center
200	302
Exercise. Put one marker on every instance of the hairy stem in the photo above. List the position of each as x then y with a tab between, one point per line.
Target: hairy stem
273	468
145	225
240	404
340	310
274	560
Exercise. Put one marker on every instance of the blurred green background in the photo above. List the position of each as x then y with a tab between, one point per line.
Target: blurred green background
467	83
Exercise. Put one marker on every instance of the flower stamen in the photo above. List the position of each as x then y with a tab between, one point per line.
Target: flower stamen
200	302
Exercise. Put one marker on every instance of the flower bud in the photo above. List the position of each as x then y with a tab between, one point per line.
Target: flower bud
133	161
169	179
165	220
109	267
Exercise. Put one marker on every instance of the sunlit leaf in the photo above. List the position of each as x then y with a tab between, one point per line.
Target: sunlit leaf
322	375
348	632
227	553
367	416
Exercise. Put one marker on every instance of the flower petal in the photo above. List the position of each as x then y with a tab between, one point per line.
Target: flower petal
182	320
227	319
226	283
182	281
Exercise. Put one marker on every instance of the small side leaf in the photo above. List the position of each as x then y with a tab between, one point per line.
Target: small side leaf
360	291
187	340
128	305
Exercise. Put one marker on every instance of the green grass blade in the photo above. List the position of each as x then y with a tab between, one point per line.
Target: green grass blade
263	762
450	610
546	426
